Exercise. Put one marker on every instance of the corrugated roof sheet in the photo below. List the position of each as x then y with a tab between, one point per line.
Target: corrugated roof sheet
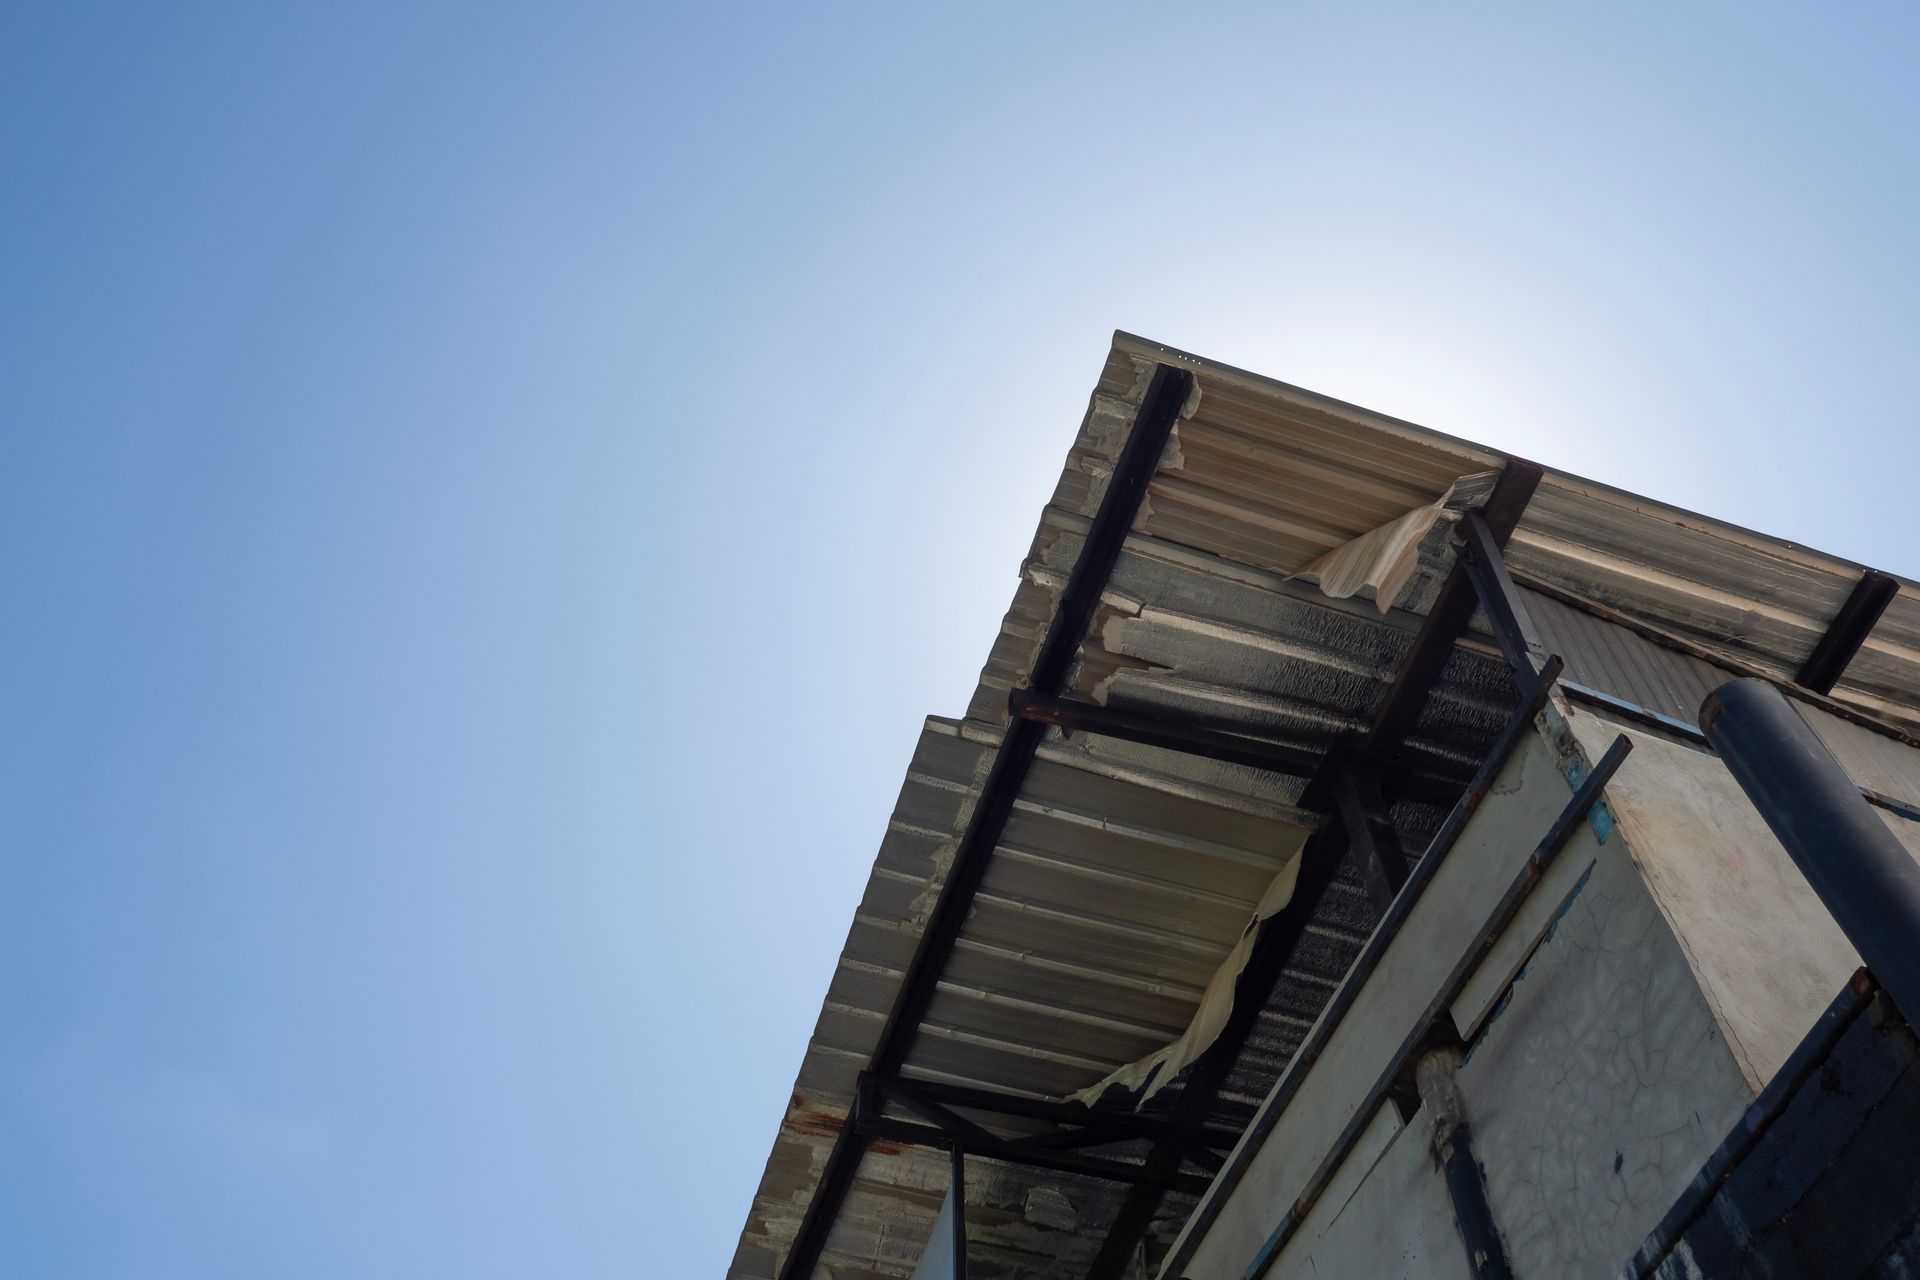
1127	872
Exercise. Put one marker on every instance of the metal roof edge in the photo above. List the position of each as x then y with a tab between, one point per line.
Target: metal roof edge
1134	344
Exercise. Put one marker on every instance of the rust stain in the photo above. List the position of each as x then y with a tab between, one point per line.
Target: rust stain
805	1120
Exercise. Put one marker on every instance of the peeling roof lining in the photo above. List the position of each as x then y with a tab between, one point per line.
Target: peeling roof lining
1197	617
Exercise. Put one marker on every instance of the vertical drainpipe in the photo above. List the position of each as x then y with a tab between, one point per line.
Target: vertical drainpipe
1863	875
1435	1077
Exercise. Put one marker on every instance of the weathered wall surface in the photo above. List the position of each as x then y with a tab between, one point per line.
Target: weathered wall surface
1650	986
1392	1221
1761	946
1604	1081
1529	793
1831	1191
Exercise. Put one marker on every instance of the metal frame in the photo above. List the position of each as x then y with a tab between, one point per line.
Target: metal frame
1519	724
1273	950
1848	631
1451	612
1437	1087
1371	833
1160	408
1558	833
1155	729
1505	611
1228	746
1354	777
1320	857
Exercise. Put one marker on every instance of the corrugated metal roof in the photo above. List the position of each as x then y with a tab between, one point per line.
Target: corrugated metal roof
1127	873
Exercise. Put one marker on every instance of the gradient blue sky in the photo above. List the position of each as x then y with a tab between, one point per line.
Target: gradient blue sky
490	493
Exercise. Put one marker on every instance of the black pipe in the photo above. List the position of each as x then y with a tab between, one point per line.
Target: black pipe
1863	875
1436	1077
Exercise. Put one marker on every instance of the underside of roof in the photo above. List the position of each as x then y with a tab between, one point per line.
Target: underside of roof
1120	894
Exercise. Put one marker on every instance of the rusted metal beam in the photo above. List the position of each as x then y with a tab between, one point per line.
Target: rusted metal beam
1156	729
1519	725
1499	599
1160	408
1174	733
1848	631
1073	1121
1321	856
1432	645
1558	834
1370	830
907	1133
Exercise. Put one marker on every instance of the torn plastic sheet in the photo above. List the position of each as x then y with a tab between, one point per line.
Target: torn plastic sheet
1384	559
1216	1003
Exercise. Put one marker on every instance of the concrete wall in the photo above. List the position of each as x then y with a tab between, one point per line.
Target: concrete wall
1386	1217
1651	985
1604	1080
1761	948
1530	791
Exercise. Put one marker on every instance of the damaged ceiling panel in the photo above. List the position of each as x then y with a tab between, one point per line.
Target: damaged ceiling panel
1125	880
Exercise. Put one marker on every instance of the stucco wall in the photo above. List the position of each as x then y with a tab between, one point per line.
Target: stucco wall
1760	944
1388	1218
1649	987
1530	791
1603	1082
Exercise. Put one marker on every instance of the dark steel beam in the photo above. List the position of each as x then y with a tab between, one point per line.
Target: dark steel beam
1211	1161
1159	409
1848	631
906	1133
1450	613
1172	733
1280	935
1370	830
1518	726
1499	599
1156	729
933	1113
1123	1124
1585	796
1862	874
1273	949
1099	1135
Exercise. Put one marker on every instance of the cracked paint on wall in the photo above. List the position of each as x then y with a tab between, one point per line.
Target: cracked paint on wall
1603	1085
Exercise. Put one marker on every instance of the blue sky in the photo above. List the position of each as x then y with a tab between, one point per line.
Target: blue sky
490	493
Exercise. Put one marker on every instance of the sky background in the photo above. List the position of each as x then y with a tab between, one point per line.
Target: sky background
490	493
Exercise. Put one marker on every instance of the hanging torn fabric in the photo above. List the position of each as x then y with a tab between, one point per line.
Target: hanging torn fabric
1384	559
1216	1003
